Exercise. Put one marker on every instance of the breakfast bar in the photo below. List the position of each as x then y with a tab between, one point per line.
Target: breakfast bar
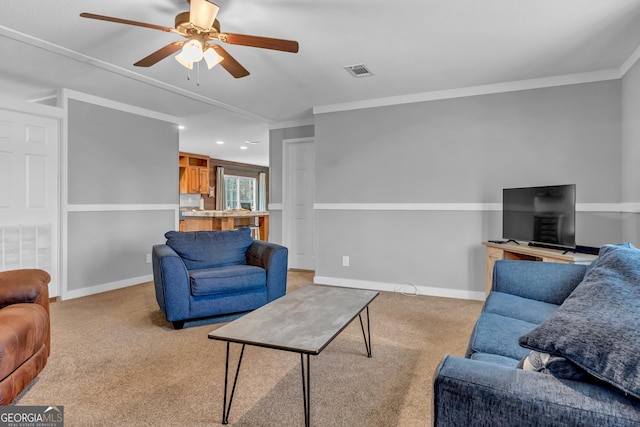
207	220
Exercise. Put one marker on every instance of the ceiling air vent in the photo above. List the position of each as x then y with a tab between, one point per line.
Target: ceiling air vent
358	70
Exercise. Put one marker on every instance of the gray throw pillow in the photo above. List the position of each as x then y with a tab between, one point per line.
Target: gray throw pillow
598	326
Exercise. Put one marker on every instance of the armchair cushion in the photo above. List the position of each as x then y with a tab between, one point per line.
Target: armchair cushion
598	327
210	249
232	278
23	330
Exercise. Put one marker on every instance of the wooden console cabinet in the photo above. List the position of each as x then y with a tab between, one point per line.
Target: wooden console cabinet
497	251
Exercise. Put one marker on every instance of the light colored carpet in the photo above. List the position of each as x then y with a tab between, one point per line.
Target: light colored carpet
115	361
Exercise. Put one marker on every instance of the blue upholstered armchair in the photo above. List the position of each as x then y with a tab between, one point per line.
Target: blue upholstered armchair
216	276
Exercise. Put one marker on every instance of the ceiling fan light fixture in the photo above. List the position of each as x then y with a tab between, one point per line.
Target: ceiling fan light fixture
192	51
212	58
184	62
202	14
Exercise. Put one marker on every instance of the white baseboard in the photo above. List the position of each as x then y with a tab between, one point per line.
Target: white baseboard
105	287
405	288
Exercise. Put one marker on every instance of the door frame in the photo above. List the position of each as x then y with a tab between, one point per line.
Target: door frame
287	223
54	113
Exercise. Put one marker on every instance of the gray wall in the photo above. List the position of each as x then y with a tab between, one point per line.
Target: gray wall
631	152
117	158
276	136
467	149
461	150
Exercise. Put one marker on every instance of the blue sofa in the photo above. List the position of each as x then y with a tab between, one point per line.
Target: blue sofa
555	345
216	276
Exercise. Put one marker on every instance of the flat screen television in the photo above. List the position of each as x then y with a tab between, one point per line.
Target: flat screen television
543	216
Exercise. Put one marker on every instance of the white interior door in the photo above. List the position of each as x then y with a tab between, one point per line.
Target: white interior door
298	197
29	193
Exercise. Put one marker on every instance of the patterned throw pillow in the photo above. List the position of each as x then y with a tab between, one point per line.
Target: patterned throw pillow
554	365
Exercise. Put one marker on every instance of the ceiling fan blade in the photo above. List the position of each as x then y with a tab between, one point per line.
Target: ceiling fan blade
262	42
128	22
202	14
230	64
159	54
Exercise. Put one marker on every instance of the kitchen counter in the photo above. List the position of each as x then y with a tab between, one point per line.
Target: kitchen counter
207	220
225	214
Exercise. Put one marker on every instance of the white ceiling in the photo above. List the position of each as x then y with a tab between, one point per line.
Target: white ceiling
412	46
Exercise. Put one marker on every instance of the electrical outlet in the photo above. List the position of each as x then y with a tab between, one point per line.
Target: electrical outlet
148	258
345	260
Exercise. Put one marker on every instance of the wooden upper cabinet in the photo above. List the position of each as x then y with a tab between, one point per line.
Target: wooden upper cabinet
204	181
194	173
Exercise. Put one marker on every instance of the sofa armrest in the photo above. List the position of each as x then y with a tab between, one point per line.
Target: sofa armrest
473	393
24	286
274	259
543	281
171	281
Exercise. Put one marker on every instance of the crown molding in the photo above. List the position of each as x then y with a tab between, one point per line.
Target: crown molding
89	60
7	103
630	62
569	79
293	123
66	94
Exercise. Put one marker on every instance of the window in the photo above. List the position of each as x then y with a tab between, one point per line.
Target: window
240	192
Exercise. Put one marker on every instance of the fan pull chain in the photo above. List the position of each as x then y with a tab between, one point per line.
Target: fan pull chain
188	74
198	73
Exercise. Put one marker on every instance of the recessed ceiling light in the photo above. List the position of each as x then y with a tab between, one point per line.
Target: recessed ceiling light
219	142
180	127
244	147
252	142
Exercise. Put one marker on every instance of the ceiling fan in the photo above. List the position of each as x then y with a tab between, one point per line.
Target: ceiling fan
199	25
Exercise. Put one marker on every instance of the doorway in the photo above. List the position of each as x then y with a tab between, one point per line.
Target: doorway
298	196
29	193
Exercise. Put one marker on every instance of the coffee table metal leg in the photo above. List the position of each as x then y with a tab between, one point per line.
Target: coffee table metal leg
367	335
306	389
226	407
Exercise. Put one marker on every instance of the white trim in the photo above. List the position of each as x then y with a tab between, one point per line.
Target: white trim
64	193
630	207
21	106
471	207
409	206
89	60
276	206
607	207
53	96
293	123
630	62
105	287
110	208
67	94
395	287
569	79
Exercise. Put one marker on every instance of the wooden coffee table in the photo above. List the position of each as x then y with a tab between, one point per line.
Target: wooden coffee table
304	321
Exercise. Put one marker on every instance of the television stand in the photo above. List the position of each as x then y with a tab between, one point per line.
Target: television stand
497	251
542	245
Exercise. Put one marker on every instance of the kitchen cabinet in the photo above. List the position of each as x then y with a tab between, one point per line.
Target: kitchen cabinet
194	173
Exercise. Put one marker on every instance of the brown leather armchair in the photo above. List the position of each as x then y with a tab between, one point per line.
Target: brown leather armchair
25	333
